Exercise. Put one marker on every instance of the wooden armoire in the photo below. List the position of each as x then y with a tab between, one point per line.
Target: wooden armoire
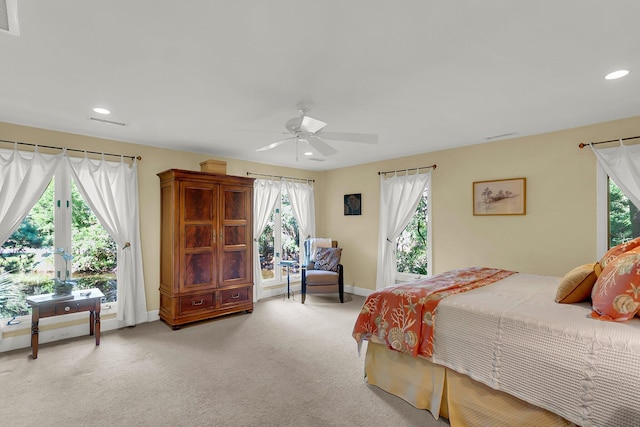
206	267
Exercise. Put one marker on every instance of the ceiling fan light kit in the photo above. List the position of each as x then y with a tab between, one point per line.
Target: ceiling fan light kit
310	130
304	124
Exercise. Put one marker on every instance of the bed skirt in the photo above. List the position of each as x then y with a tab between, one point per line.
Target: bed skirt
449	394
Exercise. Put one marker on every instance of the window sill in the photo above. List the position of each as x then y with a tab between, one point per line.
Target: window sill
408	277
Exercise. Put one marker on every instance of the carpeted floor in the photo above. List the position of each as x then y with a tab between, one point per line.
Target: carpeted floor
285	364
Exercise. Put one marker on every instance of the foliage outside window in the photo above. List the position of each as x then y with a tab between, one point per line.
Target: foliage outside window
27	257
281	232
624	217
411	247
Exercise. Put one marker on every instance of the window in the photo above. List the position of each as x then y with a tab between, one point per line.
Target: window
412	247
623	217
28	262
282	233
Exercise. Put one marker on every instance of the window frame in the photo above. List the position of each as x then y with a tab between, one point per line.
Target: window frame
406	277
279	273
62	208
63	236
602	212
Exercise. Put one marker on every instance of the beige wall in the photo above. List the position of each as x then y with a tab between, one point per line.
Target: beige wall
154	160
557	233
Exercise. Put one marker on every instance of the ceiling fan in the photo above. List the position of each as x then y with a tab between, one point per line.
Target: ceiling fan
310	130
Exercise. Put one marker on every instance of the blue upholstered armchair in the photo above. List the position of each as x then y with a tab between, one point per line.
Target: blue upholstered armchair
321	269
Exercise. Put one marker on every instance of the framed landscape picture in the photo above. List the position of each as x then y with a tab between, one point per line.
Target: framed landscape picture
500	197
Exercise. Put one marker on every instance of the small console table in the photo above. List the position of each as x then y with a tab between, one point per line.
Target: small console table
49	305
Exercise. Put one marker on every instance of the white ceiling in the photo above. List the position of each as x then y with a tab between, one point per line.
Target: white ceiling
222	77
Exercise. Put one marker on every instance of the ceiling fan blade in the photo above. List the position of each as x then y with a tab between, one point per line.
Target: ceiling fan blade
366	138
322	147
311	125
275	144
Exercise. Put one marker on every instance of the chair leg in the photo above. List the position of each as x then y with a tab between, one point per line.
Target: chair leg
341	283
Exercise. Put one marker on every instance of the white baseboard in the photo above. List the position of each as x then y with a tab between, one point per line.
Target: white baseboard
19	336
15	337
279	291
351	289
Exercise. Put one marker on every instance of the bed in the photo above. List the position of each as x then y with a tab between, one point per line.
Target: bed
501	353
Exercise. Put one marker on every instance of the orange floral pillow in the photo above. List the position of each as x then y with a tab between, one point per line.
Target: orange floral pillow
616	251
616	294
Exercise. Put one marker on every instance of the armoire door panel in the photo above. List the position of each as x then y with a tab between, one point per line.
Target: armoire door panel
235	235
236	267
235	204
198	236
198	203
198	271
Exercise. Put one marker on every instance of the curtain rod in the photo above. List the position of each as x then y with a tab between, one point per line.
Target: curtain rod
280	177
70	149
582	144
410	169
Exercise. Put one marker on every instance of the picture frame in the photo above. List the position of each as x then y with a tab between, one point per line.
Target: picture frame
500	197
353	204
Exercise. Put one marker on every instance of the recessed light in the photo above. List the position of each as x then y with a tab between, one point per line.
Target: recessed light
101	110
308	153
616	74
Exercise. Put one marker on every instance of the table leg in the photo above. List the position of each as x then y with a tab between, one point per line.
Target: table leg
97	323
92	321
35	319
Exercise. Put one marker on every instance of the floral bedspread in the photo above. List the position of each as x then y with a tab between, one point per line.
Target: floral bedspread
403	315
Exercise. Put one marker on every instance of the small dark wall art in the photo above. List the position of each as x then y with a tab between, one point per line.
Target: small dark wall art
353	204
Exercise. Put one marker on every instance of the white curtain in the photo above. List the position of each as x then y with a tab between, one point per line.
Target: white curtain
399	198
303	205
622	164
266	194
111	190
23	179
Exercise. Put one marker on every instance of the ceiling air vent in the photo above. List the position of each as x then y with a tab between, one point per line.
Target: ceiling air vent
9	17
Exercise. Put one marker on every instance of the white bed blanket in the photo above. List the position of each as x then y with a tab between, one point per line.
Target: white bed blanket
514	337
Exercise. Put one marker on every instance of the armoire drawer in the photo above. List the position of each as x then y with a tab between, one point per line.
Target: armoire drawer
235	296
198	302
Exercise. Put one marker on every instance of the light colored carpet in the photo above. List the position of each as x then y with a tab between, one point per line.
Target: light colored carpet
285	364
